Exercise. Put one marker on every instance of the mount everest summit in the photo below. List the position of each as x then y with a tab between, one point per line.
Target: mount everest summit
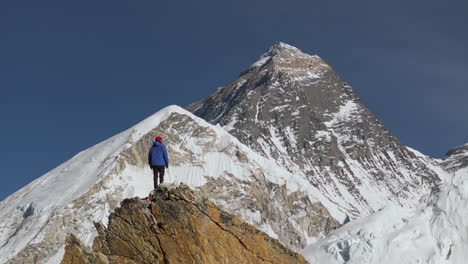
288	147
293	108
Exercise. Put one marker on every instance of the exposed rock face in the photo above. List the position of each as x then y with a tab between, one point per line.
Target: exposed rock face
185	228
292	107
456	158
273	208
77	253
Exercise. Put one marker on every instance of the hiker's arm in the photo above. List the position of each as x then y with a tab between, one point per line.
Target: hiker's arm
166	158
149	158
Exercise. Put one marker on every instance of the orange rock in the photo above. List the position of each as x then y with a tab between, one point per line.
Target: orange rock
183	229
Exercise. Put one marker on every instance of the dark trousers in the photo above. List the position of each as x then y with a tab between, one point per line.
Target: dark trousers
158	171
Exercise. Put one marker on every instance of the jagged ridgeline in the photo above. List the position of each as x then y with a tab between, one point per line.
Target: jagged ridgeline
181	228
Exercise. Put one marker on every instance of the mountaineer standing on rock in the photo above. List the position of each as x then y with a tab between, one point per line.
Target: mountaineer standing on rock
158	160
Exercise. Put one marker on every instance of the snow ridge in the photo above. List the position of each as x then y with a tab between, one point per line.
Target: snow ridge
85	189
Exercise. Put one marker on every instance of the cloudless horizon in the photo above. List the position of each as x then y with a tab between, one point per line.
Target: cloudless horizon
73	74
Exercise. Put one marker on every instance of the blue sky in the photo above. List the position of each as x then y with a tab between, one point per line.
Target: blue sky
74	73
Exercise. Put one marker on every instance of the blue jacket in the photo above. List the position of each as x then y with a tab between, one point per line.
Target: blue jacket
157	155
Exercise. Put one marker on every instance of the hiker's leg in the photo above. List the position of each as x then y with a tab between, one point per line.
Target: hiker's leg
155	177
161	174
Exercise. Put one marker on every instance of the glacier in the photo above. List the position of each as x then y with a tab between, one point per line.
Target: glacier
436	231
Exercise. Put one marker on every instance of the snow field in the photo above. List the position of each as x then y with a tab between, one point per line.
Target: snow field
435	232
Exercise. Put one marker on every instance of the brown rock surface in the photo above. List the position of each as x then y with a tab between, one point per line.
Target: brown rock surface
185	228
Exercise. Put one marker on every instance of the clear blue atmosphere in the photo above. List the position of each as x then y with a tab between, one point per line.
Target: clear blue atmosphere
74	73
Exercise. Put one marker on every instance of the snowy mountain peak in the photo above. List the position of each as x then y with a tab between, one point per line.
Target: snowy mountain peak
294	109
282	49
286	58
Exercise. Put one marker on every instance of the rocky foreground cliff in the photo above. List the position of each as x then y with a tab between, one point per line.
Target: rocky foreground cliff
182	227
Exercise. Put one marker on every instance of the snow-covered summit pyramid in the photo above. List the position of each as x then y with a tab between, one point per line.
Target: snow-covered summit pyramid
293	108
85	189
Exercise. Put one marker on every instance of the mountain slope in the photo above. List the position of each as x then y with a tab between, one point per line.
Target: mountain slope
433	232
293	108
185	228
85	189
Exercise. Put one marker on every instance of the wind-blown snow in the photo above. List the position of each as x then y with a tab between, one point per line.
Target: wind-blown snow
343	114
433	164
261	62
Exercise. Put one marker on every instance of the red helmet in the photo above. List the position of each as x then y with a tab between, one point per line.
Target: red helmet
158	138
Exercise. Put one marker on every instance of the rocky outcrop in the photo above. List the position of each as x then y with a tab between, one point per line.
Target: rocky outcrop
456	158
182	227
273	208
